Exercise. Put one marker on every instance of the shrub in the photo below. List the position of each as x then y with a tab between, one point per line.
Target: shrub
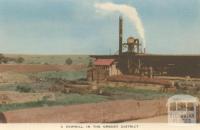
24	89
20	60
68	61
3	59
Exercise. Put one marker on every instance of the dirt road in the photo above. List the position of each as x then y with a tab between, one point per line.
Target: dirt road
157	119
26	68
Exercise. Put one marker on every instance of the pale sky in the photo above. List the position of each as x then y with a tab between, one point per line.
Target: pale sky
77	27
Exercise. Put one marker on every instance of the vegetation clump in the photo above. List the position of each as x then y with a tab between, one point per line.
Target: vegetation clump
4	59
68	61
20	60
24	89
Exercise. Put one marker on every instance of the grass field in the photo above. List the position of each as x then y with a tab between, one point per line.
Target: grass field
70	75
133	93
60	100
109	93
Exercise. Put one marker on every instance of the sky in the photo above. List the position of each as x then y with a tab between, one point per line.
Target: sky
77	27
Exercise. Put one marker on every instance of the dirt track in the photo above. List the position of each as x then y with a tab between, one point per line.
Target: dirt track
113	111
138	79
157	119
38	68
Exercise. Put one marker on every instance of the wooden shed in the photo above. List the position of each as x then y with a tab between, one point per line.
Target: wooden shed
102	69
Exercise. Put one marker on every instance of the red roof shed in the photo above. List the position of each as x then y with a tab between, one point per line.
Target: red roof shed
104	62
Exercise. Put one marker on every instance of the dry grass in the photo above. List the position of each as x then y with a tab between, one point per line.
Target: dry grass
10	97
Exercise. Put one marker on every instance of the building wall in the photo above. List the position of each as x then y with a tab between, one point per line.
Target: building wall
97	73
102	72
113	70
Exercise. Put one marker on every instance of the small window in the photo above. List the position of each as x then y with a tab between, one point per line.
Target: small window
181	106
190	106
173	106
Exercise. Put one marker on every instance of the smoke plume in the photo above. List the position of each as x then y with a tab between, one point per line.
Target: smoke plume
129	11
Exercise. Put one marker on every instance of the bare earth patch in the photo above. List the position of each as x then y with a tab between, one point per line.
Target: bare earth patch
111	111
157	119
38	68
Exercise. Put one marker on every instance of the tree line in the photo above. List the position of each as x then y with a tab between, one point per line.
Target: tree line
4	59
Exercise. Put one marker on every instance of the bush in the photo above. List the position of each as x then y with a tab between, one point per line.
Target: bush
24	89
68	61
1	56
20	60
3	59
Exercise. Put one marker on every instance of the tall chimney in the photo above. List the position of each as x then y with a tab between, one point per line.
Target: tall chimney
120	34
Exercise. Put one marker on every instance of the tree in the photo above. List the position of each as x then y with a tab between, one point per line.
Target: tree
2	58
20	60
5	60
68	61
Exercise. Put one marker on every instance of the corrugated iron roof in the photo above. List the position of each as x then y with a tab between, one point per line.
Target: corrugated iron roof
104	62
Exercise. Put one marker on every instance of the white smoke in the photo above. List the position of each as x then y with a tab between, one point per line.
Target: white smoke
129	11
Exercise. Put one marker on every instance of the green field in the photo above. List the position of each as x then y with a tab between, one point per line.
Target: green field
61	100
109	94
70	75
133	93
